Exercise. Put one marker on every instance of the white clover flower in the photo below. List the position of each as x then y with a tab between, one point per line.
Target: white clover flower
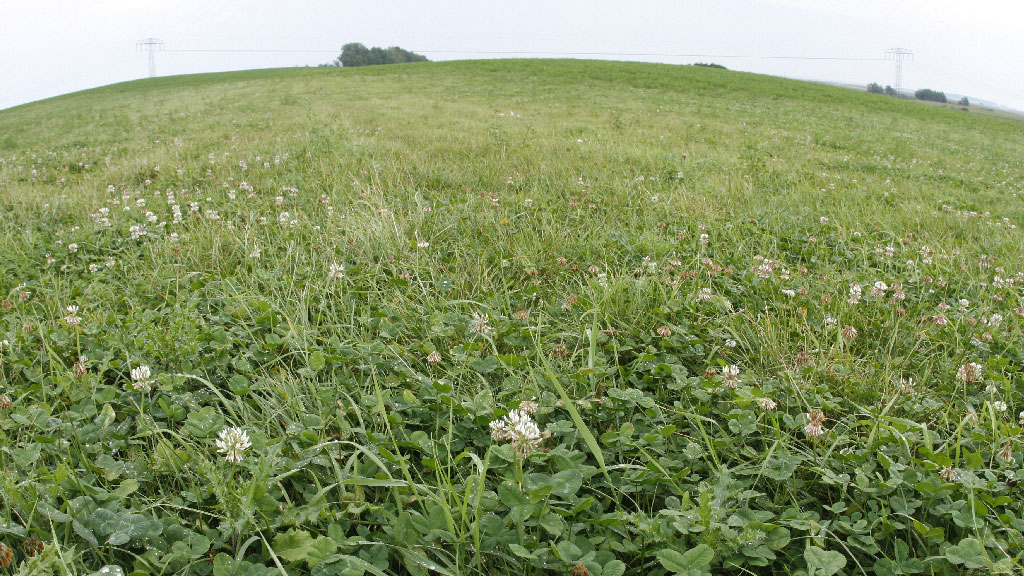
767	404
480	324
879	288
528	406
855	293
497	429
72	319
948	474
137	231
1000	406
704	295
141	379
1007	452
970	372
72	247
232	443
519	430
337	272
790	293
815	429
730	375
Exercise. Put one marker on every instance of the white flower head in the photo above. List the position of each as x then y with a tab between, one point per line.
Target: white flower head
855	293
480	323
232	443
142	380
730	375
970	372
519	430
72	319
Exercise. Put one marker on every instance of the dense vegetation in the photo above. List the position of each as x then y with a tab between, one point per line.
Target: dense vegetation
534	317
355	54
931	95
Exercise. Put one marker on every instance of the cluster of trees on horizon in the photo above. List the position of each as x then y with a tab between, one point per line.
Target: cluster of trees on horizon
922	94
355	54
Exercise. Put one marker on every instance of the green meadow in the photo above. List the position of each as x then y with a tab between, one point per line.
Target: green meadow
494	317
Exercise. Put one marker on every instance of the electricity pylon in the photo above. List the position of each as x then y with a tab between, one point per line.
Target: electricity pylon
898	55
151	45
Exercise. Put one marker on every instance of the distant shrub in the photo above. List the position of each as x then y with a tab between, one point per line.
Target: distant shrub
710	65
355	54
890	91
964	101
876	88
932	95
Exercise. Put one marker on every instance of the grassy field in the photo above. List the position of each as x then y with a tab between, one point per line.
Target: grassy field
532	317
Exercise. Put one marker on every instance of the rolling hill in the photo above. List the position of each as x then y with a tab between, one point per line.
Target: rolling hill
530	316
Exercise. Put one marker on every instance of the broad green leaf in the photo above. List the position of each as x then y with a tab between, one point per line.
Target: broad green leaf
553	523
699	556
970	553
317	361
695	558
520	551
566	483
614	568
823	562
299	546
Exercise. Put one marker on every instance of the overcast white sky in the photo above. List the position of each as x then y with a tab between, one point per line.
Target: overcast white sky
50	47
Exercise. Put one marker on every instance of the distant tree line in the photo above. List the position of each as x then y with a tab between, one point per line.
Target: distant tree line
355	54
710	65
922	94
930	95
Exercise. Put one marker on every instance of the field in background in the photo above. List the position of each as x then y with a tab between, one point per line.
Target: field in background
509	316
